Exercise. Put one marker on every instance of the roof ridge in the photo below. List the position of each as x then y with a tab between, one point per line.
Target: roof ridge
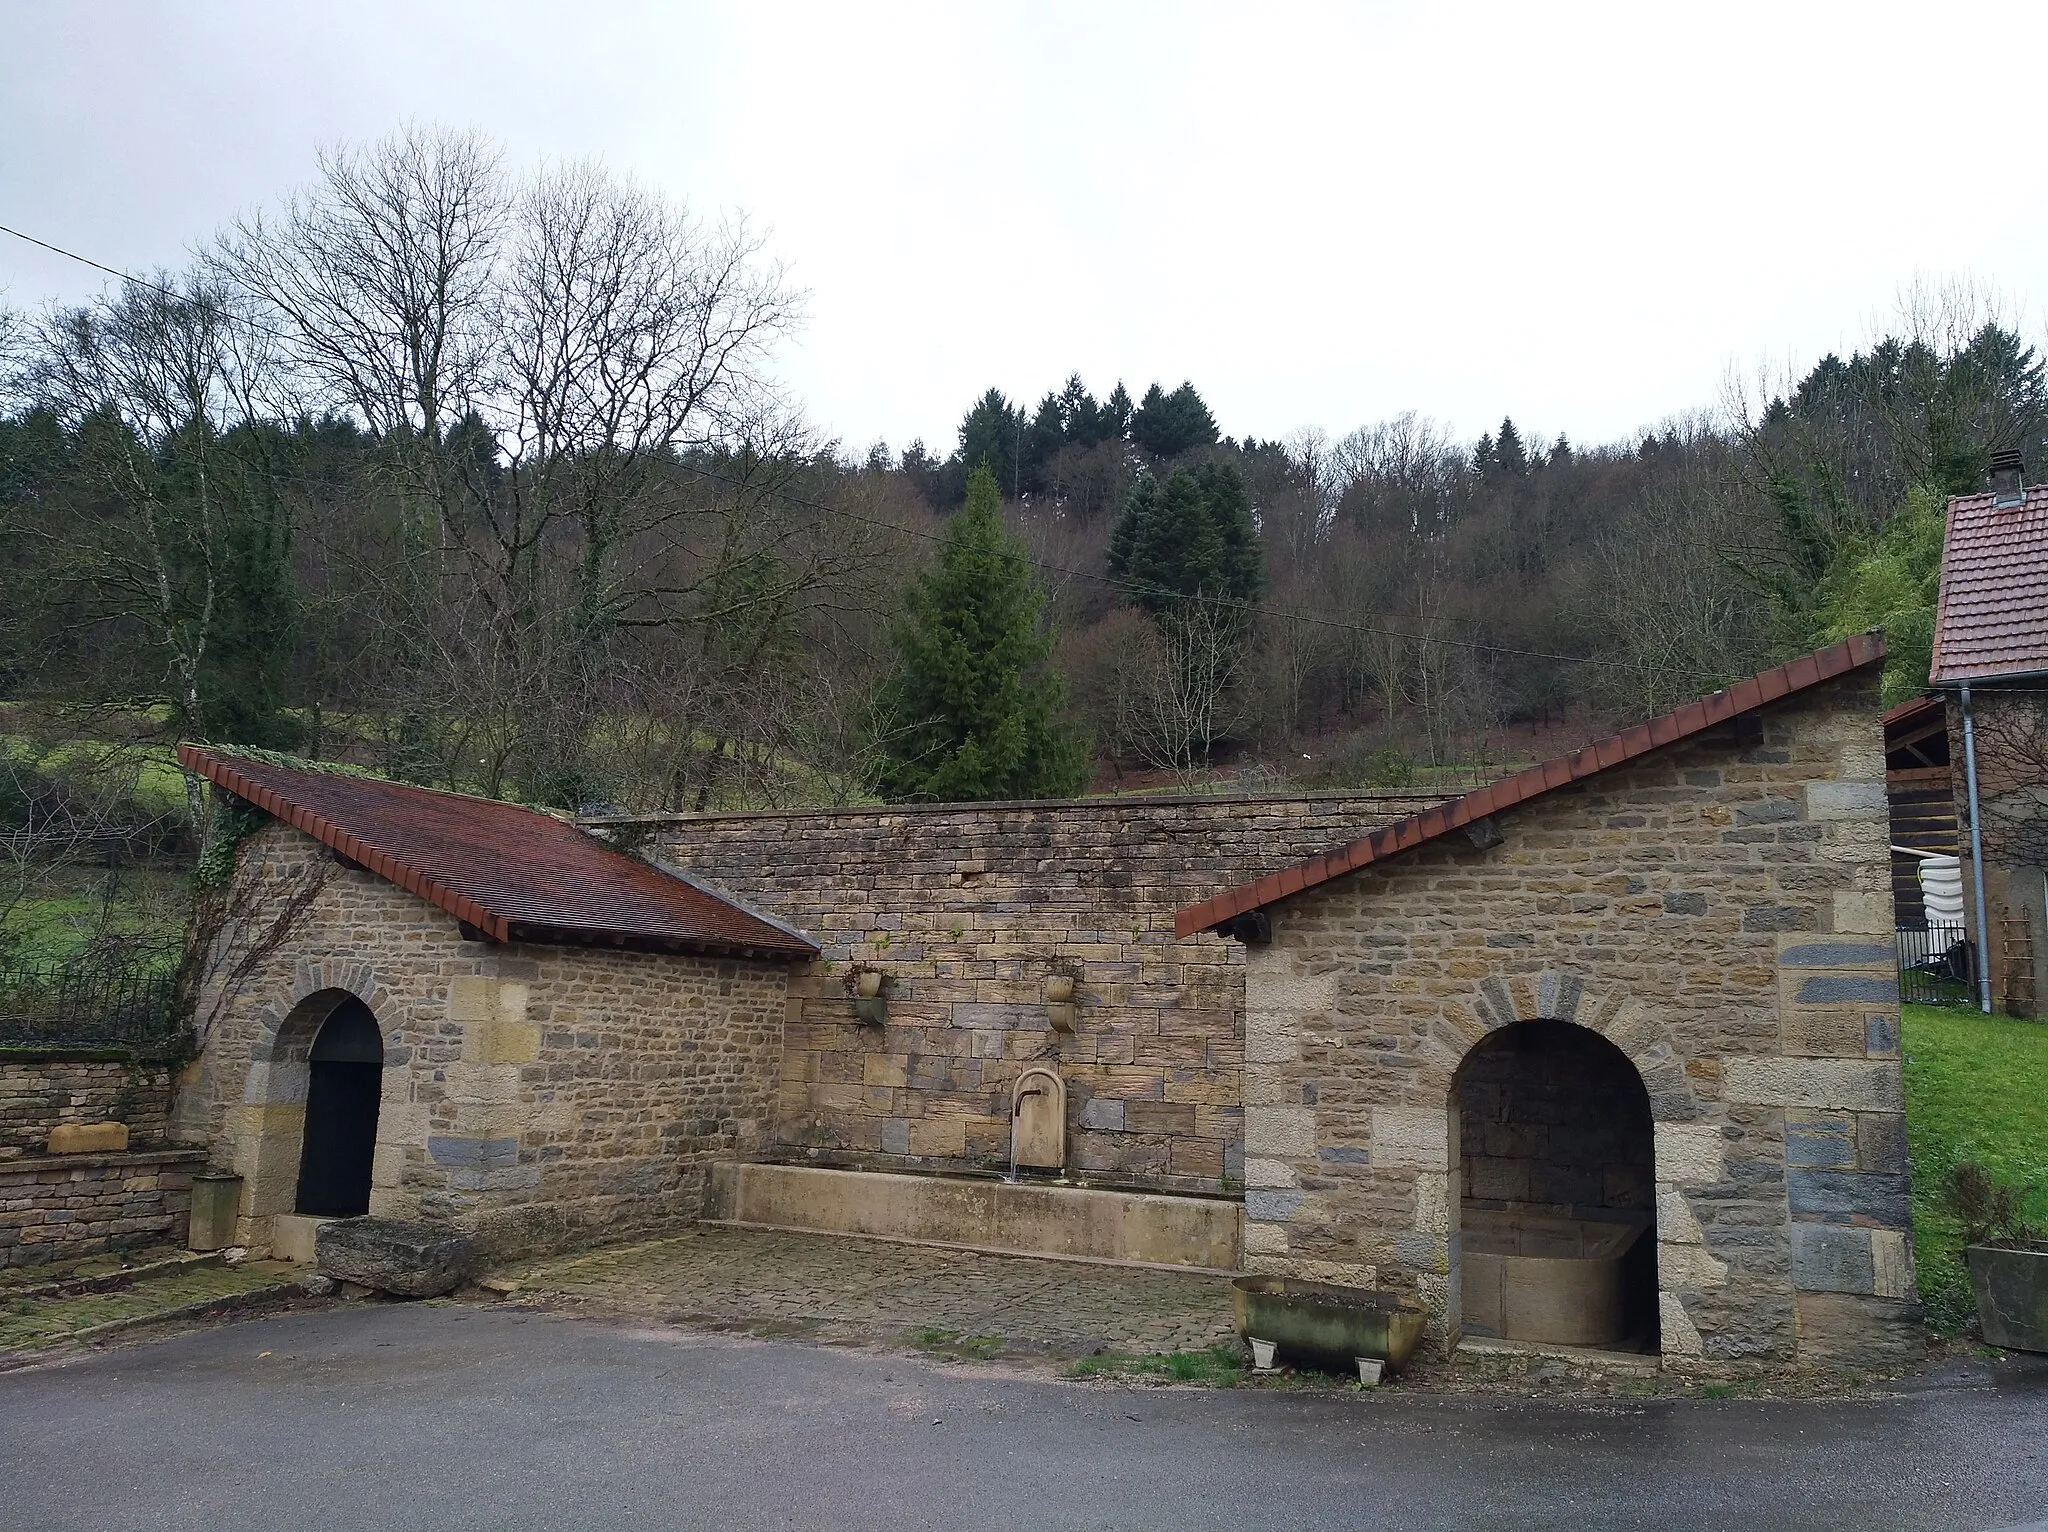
1796	675
286	761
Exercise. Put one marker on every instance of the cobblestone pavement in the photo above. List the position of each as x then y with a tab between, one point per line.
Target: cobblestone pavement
774	1282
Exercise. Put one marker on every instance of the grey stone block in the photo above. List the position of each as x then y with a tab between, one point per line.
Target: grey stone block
1824	988
1881	1142
1838	1196
895	1135
1822	1143
1685	904
1880	1034
1827	1258
1103	1113
1338	1155
1836	955
1770	811
410	1260
1271	1206
1425	1252
474	1153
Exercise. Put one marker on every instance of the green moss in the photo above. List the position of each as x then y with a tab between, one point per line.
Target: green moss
1976	1089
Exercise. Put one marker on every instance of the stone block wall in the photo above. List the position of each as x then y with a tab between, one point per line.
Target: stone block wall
966	910
539	1097
65	1206
1719	911
44	1088
1553	1122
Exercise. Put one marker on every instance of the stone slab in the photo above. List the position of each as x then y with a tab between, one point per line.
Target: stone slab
1144	1228
88	1138
396	1256
294	1237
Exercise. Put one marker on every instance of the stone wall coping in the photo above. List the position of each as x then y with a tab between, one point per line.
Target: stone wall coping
40	1162
1035	805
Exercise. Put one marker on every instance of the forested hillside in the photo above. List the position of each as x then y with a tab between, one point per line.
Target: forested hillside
488	483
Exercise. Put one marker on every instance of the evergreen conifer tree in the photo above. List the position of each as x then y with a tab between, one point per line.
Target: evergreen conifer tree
1514	458
1167	425
973	709
1191	536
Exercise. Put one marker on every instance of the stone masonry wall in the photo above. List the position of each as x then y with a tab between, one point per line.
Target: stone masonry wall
1720	911
60	1207
1555	1123
540	1097
965	909
40	1090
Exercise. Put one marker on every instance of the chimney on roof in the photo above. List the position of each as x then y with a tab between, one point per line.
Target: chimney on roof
2007	486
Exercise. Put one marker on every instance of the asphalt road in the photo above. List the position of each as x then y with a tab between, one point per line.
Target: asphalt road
431	1417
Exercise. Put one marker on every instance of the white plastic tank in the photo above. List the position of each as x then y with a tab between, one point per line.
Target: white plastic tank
1941	890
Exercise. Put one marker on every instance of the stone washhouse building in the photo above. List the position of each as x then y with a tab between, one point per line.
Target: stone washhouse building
1606	1051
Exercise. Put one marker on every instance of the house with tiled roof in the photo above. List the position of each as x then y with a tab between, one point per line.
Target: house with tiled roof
1991	665
428	1005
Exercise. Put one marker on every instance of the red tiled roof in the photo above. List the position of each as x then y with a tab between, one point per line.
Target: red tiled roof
1911	709
1796	676
513	873
1993	617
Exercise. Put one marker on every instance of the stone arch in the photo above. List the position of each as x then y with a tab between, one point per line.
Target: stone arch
286	1029
1560	995
268	1147
1688	1146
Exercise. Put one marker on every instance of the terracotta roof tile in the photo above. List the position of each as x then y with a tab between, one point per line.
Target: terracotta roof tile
512	872
1808	670
1993	616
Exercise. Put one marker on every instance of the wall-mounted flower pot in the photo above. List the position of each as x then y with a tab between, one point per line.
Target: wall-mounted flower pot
1060	1010
867	983
2012	1295
870	1010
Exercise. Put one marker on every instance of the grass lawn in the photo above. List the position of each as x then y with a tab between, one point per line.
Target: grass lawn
1976	1089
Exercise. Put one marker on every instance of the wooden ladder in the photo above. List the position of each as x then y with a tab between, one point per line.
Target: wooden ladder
2017	948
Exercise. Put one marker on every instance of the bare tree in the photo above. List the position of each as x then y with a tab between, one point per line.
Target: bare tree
165	384
53	823
570	377
1176	686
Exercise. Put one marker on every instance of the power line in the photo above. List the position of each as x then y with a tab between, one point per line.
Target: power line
1127	587
86	260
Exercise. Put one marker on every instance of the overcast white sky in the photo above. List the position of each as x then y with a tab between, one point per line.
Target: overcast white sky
1322	214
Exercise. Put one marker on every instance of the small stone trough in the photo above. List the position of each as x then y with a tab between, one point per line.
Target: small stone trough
1323	1325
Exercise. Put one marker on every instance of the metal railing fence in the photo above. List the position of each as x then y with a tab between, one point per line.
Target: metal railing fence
126	999
1937	965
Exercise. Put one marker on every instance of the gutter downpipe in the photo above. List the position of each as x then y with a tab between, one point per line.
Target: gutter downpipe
1976	856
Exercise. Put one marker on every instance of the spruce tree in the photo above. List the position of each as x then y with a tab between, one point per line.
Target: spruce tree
1167	425
973	709
1191	536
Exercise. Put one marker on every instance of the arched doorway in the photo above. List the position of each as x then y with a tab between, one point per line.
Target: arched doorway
1557	1182
345	1081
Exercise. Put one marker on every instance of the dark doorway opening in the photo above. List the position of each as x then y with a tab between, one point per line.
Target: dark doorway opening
346	1083
1558	1190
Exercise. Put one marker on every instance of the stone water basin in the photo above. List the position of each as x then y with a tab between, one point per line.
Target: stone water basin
1326	1325
1556	1281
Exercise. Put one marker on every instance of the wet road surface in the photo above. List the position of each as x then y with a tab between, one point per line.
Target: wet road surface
445	1416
